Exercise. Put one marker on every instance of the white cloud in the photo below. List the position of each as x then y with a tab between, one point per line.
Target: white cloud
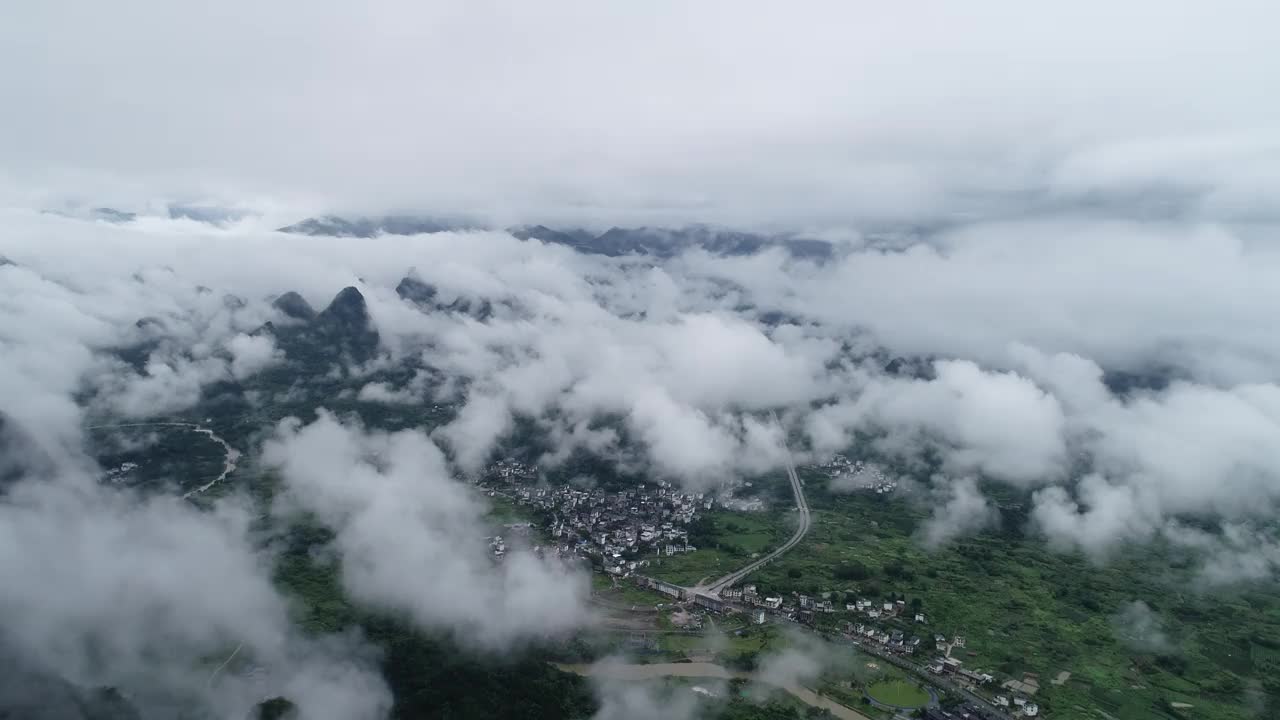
1022	318
623	699
1102	515
961	510
164	385
412	538
1141	629
138	593
251	353
996	423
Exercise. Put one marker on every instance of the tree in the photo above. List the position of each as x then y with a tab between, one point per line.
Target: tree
794	573
277	708
852	571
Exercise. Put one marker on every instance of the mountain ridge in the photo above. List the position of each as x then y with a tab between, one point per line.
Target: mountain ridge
617	241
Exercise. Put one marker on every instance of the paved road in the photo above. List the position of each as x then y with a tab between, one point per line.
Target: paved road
802	506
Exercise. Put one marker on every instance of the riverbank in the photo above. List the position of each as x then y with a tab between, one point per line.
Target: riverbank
654	671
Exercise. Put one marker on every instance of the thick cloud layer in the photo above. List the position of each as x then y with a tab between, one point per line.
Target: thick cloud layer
974	414
410	536
676	355
104	588
1106	468
1127	294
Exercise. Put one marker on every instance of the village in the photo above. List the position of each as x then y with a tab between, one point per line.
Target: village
858	475
616	530
890	629
619	531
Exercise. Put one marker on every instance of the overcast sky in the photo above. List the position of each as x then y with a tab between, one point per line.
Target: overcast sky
740	112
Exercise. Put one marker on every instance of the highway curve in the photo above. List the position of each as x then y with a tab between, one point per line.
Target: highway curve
716	586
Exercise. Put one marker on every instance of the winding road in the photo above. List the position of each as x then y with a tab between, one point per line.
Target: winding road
230	458
714	588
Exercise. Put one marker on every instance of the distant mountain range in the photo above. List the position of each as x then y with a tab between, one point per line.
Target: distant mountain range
211	214
657	242
364	227
615	242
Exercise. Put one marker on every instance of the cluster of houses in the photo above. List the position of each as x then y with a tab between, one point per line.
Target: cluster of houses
859	475
893	640
1020	705
802	608
898	642
121	473
511	470
948	665
497	547
868	631
621	528
1016	696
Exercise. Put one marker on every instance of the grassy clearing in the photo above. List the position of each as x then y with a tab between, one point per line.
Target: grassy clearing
749	533
734	649
899	693
727	541
688	569
504	511
625	592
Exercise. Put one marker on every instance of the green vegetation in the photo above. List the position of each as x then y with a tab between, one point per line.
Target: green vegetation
624	592
899	693
748	533
779	706
725	541
848	685
1026	609
504	510
690	568
740	649
276	708
160	455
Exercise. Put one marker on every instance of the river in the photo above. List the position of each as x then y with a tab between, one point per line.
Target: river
653	671
230	455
